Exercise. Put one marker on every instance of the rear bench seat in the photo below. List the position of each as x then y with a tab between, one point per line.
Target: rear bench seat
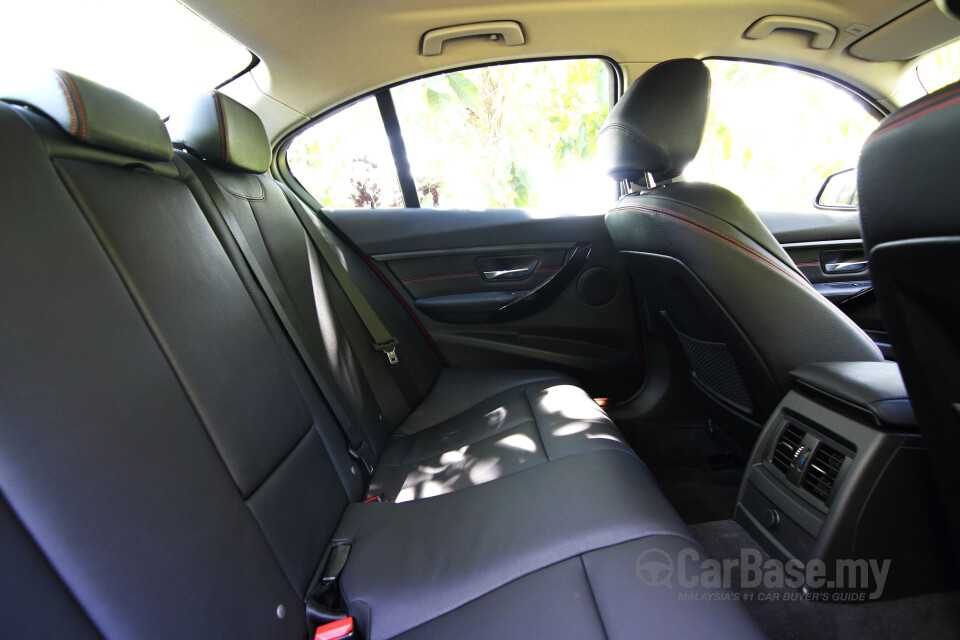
466	427
169	468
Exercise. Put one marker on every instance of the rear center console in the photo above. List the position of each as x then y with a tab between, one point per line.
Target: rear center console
839	473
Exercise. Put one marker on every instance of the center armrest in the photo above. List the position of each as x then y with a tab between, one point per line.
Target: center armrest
874	388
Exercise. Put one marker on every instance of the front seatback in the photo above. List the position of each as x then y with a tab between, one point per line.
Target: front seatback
737	312
909	210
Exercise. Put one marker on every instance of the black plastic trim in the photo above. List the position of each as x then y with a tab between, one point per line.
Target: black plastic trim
254	61
391	124
548	289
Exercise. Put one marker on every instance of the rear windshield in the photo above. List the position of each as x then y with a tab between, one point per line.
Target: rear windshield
157	51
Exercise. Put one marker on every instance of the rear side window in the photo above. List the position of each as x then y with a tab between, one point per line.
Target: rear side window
345	161
774	134
512	135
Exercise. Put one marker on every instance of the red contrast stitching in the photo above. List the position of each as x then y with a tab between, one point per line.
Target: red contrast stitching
808	264
83	117
426	334
717	234
926	111
919	105
66	94
441	275
224	152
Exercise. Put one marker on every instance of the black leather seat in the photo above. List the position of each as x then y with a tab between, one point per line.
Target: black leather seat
737	312
170	470
450	428
909	195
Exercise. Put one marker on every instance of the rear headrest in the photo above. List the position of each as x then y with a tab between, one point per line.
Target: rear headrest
657	125
95	114
907	182
224	132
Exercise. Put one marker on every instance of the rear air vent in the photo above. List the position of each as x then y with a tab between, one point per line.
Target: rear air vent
823	471
787	447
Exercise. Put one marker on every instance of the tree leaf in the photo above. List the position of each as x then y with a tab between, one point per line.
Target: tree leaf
437	101
466	91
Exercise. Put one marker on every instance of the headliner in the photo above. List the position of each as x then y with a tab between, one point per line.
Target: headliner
316	54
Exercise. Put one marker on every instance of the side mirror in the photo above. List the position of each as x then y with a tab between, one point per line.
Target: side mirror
839	191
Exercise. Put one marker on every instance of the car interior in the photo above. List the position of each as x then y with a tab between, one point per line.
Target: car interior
536	319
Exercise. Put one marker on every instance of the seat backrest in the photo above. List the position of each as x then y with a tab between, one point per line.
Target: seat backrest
229	138
910	213
168	469
737	311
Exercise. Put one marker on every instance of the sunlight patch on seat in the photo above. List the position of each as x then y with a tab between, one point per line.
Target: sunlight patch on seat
496	418
455	456
603	436
556	401
572	429
485	470
518	441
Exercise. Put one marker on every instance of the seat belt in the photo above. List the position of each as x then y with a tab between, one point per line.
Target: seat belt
359	449
324	605
383	341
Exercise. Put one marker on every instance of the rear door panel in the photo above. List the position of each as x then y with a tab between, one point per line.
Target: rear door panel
441	263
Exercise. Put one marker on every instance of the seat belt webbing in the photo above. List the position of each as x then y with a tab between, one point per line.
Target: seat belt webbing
382	339
359	448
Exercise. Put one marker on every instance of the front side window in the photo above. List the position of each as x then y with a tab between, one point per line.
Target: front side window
774	134
511	135
940	68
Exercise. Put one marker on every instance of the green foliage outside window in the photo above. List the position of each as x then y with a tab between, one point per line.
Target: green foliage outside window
513	135
774	134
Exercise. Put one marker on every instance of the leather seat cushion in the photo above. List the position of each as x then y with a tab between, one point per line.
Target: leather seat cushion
479	425
502	530
597	595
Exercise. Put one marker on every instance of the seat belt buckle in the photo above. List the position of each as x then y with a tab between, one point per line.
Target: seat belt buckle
324	607
336	630
389	348
355	453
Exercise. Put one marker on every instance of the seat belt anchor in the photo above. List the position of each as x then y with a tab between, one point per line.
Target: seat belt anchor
355	453
389	348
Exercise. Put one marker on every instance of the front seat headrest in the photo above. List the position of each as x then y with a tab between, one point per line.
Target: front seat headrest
906	174
94	114
224	133
657	125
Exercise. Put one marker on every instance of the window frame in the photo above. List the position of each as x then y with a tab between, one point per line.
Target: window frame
871	104
391	124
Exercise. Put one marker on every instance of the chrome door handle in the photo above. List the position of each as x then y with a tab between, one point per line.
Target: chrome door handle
845	267
505	273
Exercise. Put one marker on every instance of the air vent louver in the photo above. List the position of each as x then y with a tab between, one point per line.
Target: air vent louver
823	471
787	447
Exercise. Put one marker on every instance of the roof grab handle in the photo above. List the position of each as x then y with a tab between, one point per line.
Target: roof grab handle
510	31
823	34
